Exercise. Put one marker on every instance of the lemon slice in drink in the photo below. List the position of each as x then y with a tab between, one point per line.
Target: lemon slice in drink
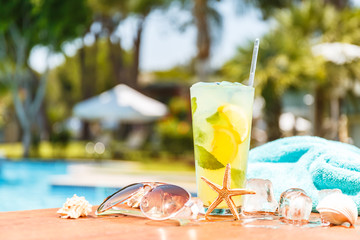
225	144
230	129
237	119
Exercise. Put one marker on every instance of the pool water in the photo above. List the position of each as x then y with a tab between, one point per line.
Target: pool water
26	185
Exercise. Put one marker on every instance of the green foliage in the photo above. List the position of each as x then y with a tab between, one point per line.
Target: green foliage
175	131
57	23
109	8
65	80
112	8
269	8
175	135
285	55
179	107
26	24
18	13
286	60
144	7
43	22
60	138
180	74
349	32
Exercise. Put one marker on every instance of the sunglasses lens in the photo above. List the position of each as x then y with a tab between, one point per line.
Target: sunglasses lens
120	197
164	201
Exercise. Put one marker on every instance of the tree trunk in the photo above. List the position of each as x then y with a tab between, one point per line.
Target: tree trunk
21	115
203	41
115	52
85	89
319	113
94	65
202	69
335	117
272	110
44	122
26	141
27	111
339	4
136	56
116	61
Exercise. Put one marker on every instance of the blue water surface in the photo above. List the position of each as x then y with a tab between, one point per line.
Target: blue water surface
26	185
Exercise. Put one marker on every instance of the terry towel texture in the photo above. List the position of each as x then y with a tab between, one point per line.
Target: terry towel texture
310	163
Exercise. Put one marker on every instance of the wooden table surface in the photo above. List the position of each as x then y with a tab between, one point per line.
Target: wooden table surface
46	224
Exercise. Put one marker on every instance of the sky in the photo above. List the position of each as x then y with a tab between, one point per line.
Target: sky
164	45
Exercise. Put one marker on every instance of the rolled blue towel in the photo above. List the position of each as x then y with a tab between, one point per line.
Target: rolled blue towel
310	163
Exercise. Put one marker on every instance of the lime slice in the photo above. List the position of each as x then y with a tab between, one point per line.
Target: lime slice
238	177
205	159
199	135
218	119
193	105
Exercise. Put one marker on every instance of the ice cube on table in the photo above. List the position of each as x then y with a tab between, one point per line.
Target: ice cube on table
191	209
284	194
263	200
295	206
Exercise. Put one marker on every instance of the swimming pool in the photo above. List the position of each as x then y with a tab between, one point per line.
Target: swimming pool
26	185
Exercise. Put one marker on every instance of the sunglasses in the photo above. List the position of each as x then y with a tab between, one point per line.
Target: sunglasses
156	200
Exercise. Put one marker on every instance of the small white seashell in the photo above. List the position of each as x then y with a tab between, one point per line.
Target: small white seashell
338	208
75	207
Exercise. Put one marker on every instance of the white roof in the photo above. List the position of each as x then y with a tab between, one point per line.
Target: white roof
120	103
338	53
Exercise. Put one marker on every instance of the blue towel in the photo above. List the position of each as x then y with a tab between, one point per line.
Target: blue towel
310	163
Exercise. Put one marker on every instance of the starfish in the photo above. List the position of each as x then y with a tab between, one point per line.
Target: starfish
225	193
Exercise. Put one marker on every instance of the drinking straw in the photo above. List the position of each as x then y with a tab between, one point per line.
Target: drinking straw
253	62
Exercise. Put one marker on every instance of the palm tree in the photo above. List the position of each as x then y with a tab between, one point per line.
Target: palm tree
20	20
269	8
110	13
141	10
207	19
286	60
340	79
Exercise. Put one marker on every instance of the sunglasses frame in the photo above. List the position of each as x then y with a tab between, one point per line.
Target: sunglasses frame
137	211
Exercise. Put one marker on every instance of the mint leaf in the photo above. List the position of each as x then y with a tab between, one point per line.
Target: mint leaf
213	119
206	160
217	119
199	136
193	105
238	177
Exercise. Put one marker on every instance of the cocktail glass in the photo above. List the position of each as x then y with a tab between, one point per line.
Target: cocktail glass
222	115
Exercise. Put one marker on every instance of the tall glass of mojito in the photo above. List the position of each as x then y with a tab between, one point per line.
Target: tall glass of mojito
222	115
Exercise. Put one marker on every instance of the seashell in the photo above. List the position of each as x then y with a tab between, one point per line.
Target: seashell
337	209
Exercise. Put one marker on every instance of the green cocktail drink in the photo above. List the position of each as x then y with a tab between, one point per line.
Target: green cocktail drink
222	115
